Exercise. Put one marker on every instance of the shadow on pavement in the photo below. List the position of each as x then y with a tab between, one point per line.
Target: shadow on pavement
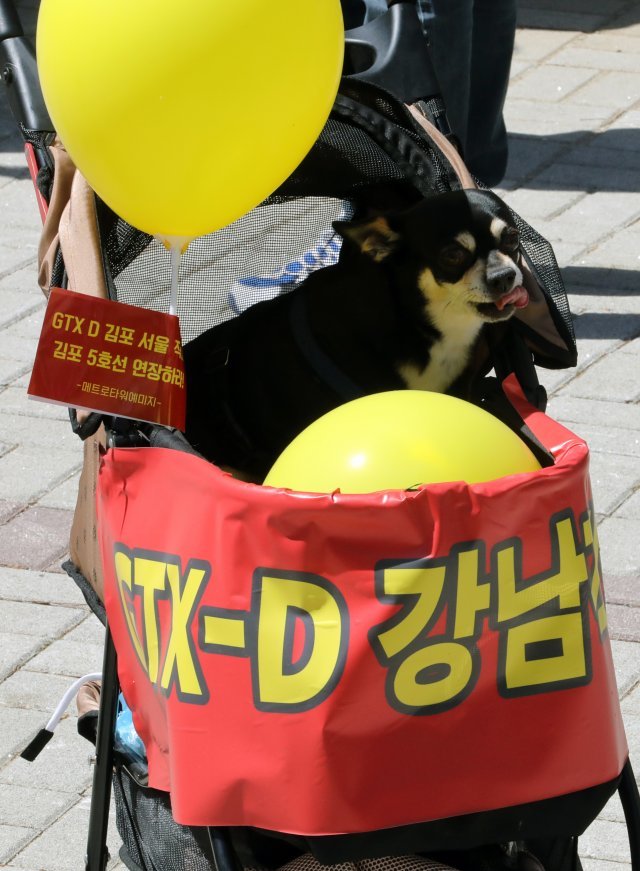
601	281
580	160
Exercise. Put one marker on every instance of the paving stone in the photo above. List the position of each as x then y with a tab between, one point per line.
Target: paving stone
63	496
11	370
610	439
630	509
613	810
35	537
43	621
629	120
39	587
620	589
627	667
90	631
527	154
29	326
594	216
604	151
613	377
14	259
62	847
554	380
590	864
65	764
619	545
12	839
616	252
39	431
529	116
71	658
27	472
605	839
533	205
617	89
16	401
565	175
536	45
8	509
56	566
16	649
624	622
16	306
599	59
615	316
17	727
23	281
30	806
552	83
35	691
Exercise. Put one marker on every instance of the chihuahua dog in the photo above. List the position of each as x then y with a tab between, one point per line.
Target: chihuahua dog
403	308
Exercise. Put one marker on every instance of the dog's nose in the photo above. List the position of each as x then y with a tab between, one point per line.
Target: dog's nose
501	279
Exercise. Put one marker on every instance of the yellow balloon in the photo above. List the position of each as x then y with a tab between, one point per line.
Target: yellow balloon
184	116
397	440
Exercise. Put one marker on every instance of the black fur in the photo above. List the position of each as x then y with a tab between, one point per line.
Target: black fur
252	382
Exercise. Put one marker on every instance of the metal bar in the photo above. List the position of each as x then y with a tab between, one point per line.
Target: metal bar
97	854
630	798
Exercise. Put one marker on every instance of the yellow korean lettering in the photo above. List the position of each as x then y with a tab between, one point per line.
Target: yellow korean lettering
590	536
473	598
561	585
546	652
435	677
424	584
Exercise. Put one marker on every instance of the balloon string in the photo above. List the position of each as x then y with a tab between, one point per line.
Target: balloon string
175	269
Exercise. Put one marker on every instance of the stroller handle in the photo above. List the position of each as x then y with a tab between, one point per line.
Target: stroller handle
392	52
20	73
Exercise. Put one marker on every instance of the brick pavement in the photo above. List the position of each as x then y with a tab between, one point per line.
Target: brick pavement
573	111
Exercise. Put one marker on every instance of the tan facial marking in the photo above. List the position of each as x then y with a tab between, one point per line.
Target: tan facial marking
497	227
467	241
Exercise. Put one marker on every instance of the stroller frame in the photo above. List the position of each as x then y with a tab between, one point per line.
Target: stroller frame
389	52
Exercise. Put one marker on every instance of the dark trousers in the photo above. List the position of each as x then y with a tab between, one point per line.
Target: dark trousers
471	44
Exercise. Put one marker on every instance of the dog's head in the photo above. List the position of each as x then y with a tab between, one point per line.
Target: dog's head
462	246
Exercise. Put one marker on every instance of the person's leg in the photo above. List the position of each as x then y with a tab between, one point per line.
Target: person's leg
494	27
450	35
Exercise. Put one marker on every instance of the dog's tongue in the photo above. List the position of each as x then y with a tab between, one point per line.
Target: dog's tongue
517	297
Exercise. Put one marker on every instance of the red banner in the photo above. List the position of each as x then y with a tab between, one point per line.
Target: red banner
321	664
110	357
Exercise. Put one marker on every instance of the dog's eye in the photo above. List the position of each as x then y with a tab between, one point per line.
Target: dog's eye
510	241
454	256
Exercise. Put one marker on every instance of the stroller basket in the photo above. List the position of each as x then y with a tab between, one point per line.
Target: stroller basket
317	674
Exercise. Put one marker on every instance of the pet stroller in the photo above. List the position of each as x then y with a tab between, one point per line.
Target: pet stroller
366	764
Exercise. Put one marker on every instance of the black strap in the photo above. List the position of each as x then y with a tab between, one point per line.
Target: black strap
321	363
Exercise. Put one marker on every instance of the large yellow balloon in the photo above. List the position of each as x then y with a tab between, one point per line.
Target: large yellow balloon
397	440
184	115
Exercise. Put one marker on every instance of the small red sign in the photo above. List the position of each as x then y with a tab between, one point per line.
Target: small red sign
110	357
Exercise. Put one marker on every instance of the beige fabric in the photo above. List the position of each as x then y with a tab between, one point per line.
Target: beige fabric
88	698
71	223
84	544
307	862
466	179
48	246
80	241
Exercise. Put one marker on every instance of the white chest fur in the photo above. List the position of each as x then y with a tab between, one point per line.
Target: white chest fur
459	328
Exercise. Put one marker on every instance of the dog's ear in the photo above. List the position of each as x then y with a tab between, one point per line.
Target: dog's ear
374	237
